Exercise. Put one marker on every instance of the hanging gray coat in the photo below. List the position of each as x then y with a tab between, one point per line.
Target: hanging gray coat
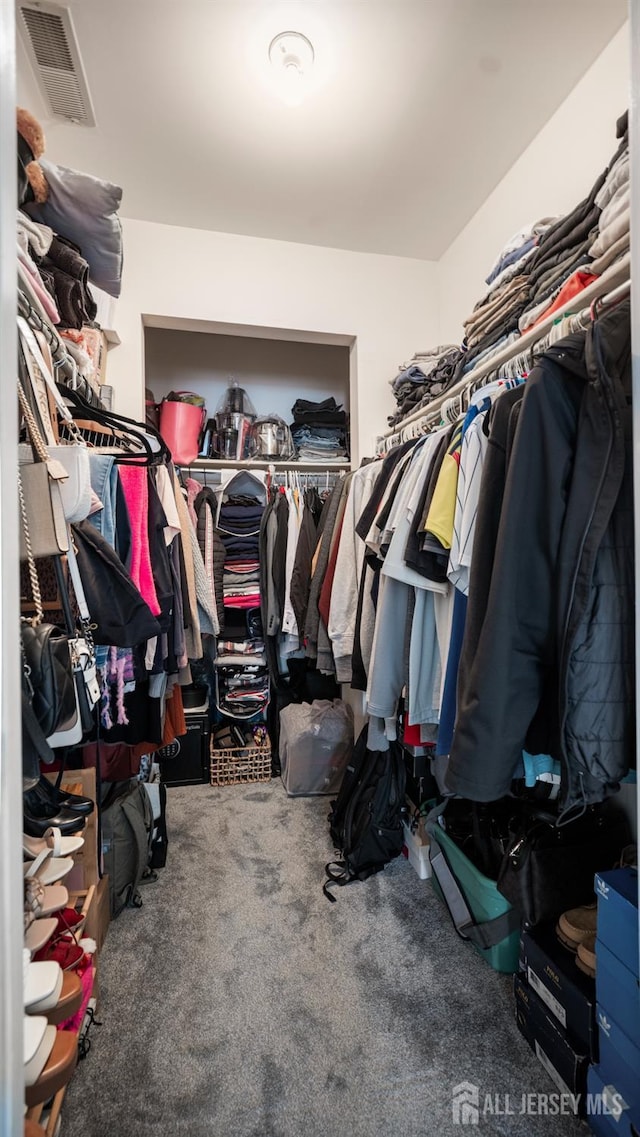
206	508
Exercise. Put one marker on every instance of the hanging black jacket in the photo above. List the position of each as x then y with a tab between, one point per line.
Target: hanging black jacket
301	575
556	650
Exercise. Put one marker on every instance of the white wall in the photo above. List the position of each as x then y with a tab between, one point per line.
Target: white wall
274	373
555	172
388	303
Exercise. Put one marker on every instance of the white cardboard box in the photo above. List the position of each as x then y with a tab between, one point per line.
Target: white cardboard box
417	853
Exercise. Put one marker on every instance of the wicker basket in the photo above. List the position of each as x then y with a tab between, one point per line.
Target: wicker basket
239	765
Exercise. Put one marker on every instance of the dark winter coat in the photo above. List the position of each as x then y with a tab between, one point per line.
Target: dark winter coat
555	656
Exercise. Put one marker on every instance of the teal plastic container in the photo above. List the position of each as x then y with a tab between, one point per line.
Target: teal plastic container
483	900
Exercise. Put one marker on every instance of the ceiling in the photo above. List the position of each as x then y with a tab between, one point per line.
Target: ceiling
415	110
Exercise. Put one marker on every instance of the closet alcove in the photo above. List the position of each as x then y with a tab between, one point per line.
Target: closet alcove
274	366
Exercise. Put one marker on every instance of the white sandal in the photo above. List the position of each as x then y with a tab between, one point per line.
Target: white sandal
52	839
55	897
39	1038
37	933
47	868
42	984
43	901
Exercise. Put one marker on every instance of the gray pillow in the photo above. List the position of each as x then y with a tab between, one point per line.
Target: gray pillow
84	209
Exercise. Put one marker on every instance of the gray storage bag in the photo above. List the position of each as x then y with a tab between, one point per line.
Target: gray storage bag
316	743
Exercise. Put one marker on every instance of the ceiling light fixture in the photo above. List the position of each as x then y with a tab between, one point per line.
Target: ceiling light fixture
291	55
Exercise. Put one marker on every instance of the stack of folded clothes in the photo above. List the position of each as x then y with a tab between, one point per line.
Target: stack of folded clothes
569	256
612	241
494	320
518	250
228	649
57	273
242	691
422	378
239	527
241	583
68	272
547	264
561	256
319	430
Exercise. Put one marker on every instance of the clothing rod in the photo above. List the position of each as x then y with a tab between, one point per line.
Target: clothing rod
278	464
613	296
616	275
218	473
307	477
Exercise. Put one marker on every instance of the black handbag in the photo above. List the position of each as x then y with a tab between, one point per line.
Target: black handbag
83	657
35	748
548	868
46	654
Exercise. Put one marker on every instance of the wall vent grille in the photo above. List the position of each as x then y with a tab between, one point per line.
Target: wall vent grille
51	44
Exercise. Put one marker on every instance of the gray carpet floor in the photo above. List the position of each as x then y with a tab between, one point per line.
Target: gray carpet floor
237	1002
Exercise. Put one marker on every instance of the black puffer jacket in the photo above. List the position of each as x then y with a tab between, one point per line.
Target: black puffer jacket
554	667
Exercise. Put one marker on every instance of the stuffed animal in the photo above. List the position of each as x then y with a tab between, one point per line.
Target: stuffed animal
32	184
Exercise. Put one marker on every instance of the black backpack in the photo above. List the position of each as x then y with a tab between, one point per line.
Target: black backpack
127	834
366	817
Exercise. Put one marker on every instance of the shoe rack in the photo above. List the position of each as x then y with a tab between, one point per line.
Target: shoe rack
47	1119
79	995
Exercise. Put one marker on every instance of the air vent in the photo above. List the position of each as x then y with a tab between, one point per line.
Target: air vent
50	40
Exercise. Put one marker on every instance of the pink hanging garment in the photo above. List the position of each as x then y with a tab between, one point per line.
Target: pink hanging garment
136	492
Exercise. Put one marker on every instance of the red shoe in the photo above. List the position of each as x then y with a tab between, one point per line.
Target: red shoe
70	921
64	951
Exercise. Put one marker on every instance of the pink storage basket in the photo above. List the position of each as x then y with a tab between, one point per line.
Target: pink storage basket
180	426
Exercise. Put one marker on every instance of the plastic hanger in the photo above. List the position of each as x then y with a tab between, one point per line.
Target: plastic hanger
124	431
